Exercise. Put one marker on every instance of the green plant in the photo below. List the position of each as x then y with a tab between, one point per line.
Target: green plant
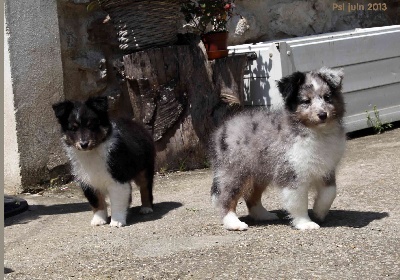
376	122
163	170
199	14
182	164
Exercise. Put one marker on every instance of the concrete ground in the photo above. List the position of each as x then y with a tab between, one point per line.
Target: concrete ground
183	238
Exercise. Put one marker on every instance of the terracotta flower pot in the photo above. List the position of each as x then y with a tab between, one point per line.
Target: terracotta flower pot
216	44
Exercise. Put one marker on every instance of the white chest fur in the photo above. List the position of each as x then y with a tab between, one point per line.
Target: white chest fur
91	167
318	154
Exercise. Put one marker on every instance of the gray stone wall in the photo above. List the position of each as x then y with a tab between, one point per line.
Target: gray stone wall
90	55
36	77
265	20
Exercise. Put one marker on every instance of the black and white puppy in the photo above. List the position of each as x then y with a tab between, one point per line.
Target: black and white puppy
296	148
106	157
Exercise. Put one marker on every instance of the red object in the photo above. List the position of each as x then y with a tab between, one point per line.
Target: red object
215	41
217	54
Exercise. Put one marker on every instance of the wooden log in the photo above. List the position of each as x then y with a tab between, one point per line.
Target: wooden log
182	97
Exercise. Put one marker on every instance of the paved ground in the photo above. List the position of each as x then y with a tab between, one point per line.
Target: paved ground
183	239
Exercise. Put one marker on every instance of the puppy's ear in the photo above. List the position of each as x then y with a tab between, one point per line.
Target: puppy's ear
98	104
332	77
62	110
289	88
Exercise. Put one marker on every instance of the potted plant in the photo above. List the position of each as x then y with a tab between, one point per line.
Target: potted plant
209	19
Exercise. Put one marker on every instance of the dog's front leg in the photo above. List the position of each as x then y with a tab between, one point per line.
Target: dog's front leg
326	194
119	200
295	201
98	204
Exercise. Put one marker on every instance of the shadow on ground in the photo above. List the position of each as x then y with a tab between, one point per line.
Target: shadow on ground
353	219
335	218
8	270
160	210
36	211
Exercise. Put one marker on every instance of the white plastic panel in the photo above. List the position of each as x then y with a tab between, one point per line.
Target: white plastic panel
261	74
371	74
256	89
370	58
357	102
344	51
359	121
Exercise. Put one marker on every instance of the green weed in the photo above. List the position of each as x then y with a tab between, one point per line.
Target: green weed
376	123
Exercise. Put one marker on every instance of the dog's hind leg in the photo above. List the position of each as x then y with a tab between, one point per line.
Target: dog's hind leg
119	200
98	203
326	193
144	180
256	209
228	199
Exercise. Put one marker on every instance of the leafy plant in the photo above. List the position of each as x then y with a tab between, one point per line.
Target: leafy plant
199	14
376	122
182	164
163	170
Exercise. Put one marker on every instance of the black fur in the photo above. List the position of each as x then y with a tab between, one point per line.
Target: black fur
100	106
90	194
134	152
62	111
289	87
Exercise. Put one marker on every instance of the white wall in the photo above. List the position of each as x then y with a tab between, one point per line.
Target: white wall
12	177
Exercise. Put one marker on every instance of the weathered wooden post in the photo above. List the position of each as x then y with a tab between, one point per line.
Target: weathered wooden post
181	97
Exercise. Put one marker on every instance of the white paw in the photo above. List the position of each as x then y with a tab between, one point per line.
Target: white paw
306	225
118	224
118	220
99	218
145	210
259	213
232	222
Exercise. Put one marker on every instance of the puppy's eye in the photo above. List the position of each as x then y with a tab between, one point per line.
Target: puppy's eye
305	101
328	98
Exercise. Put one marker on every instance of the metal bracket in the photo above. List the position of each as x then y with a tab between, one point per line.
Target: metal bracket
250	55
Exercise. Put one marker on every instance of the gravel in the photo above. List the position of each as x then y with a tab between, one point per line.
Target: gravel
183	238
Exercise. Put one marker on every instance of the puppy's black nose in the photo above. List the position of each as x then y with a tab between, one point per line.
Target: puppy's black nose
84	144
322	116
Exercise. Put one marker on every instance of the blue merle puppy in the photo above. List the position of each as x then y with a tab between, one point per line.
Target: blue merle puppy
296	148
